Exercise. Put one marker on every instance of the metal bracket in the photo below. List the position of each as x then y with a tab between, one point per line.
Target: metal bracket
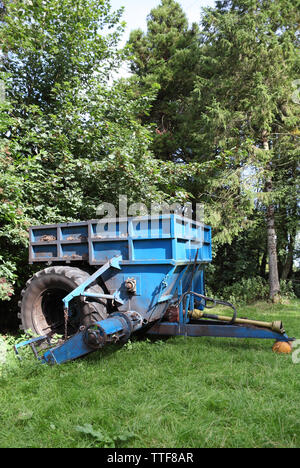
32	342
79	291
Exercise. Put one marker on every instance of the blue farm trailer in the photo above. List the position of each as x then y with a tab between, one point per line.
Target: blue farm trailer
108	279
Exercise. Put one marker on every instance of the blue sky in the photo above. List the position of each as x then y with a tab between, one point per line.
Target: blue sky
136	11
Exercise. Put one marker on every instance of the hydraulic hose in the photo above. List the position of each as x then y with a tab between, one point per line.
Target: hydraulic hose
215	302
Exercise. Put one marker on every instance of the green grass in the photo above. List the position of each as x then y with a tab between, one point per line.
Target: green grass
176	393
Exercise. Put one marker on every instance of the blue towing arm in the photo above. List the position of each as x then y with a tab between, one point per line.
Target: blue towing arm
117	328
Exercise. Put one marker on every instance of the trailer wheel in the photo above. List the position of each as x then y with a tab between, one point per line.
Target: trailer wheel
42	306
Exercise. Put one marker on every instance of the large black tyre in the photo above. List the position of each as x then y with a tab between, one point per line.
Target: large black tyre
42	306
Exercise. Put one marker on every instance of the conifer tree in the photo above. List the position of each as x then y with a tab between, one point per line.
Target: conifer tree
167	54
244	95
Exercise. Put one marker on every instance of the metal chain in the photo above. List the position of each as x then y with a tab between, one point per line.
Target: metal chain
66	317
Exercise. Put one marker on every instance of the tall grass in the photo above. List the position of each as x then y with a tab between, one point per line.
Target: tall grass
175	393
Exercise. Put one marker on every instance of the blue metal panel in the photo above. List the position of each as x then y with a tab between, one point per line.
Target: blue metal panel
71	233
161	239
74	251
44	252
181	249
38	234
76	346
152	249
103	251
73	348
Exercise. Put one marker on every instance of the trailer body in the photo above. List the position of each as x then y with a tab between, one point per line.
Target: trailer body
157	255
151	272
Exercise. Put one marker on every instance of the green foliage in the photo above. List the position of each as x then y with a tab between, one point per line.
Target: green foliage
243	91
249	290
246	291
102	439
222	87
6	288
190	125
168	56
69	139
51	46
287	289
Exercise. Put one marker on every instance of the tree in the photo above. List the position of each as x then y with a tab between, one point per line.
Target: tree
69	140
243	92
167	55
50	46
50	51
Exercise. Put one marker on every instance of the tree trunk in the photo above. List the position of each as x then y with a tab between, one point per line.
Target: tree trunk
288	266
287	269
272	252
272	238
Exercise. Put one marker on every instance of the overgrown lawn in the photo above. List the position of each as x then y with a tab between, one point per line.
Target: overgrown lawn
175	393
